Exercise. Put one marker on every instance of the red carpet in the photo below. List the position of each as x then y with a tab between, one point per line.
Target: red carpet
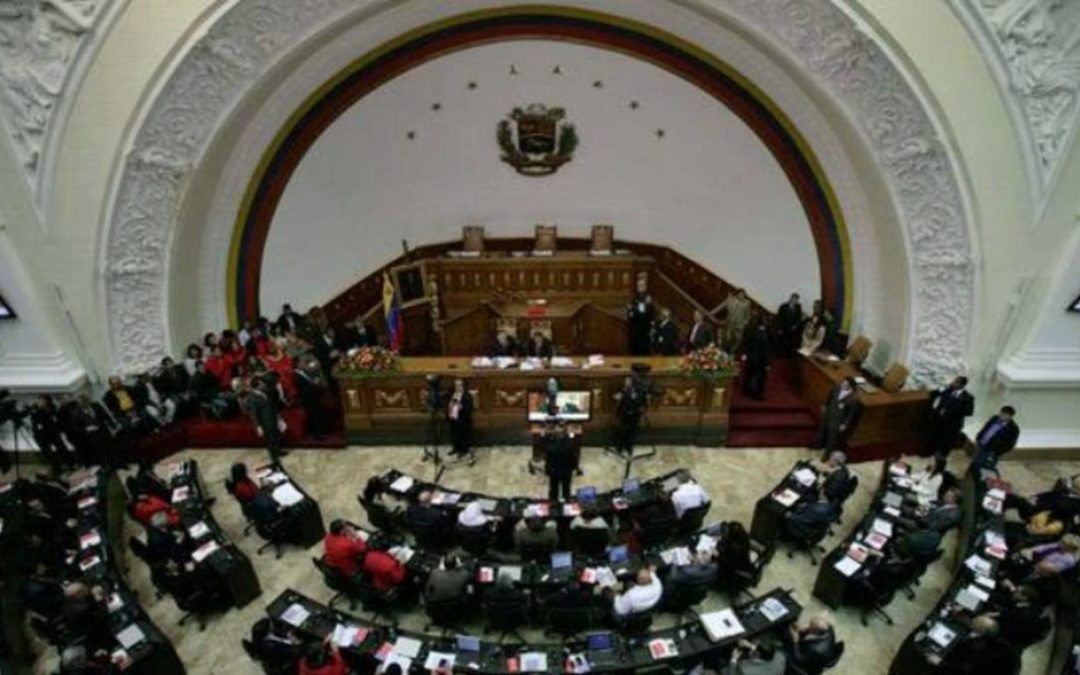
781	420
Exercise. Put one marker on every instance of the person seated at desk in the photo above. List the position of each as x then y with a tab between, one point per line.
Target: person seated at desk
920	544
1062	502
571	596
41	522
322	658
84	616
123	404
974	652
700	570
689	495
733	549
755	658
809	518
642	596
343	547
473	516
926	484
146	505
504	345
449	582
166	542
811	646
383	569
589	519
240	484
946	515
183	580
539	347
504	598
146	481
1020	614
276	643
813	335
535	532
423	515
1047	560
835	478
665	335
76	660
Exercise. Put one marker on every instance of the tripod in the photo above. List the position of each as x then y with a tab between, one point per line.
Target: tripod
432	438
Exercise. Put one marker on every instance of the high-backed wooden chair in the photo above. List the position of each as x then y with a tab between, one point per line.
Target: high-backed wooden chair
542	327
894	378
508	326
546	238
472	238
603	239
858	350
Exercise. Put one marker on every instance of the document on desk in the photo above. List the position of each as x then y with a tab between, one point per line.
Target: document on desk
203	552
979	565
295	615
941	635
721	625
663	648
403	554
130	636
533	662
971	597
407	646
847	566
805	476
91	538
679	555
787	496
773	610
706	543
347	636
275	477
437	660
199	530
883	527
286	494
403	484
893	499
181	494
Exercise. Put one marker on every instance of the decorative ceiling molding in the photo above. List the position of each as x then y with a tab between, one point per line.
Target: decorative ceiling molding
42	45
246	41
1033	47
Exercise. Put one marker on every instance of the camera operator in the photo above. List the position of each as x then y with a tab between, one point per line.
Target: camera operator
459	416
89	428
629	408
47	432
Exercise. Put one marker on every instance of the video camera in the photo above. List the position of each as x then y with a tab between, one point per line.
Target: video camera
9	409
436	397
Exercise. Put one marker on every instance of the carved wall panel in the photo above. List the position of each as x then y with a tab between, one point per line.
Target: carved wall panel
392	398
510	399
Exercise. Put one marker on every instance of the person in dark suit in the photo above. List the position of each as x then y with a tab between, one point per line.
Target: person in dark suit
629	409
839	417
449	582
949	406
290	320
505	345
357	336
640	313
812	646
701	570
756	362
665	335
701	333
809	518
262	408
559	461
89	428
834	484
310	387
46	429
459	417
996	438
423	515
540	347
789	321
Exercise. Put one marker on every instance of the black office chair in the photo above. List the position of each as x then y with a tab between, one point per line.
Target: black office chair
872	593
475	540
379	603
693	519
281	663
916	569
808	542
796	669
447	615
506	618
589	541
436	537
634	625
737	583
381	516
336	581
681	598
276	533
532	551
849	489
571	622
249	523
658	529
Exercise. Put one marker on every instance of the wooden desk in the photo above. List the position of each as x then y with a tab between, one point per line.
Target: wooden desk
391	409
886	417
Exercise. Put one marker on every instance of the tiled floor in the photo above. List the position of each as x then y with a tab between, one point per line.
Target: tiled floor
734	478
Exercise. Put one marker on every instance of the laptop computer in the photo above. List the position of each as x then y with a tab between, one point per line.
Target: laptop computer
630	486
512	571
619	559
562	565
601	648
468	643
586	494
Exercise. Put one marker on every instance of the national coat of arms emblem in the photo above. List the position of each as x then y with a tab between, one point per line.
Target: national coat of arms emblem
536	140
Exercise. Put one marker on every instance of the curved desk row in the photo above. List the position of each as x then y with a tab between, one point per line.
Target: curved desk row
798	485
686	645
275	481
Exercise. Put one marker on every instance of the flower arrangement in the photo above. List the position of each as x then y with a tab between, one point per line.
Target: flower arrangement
709	362
370	362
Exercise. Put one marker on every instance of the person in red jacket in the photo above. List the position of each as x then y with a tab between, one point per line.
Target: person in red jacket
343	548
384	570
218	366
146	505
240	484
322	659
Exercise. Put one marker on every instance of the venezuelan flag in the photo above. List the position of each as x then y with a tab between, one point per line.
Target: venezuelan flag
395	327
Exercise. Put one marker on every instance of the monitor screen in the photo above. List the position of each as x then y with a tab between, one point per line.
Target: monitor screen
618	554
562	560
630	485
468	643
570	406
599	642
586	494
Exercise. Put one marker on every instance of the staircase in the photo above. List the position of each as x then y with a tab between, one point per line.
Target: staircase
781	420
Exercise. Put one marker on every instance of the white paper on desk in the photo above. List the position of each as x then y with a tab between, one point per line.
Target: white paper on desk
847	566
971	597
893	499
772	609
86	564
680	555
722	624
787	497
605	577
941	634
596	359
892	511
274	478
439	660
979	565
996	493
295	615
407	646
995	538
562	362
286	494
403	484
805	476
481	362
532	662
706	544
902	482
986	582
199	530
403	554
531	364
130	636
992	504
882	527
504	362
181	494
91	538
203	552
114	603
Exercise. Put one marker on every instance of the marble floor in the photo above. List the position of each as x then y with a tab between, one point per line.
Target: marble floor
734	478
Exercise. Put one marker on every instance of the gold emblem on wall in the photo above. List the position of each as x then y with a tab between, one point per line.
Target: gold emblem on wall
536	140
398	398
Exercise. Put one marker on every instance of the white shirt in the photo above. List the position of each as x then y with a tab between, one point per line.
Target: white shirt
688	496
639	598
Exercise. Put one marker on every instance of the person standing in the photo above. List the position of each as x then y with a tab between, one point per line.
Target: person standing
949	406
736	309
640	314
459	417
665	335
310	387
559	462
789	320
841	414
997	437
701	333
629	408
45	428
756	362
262	408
